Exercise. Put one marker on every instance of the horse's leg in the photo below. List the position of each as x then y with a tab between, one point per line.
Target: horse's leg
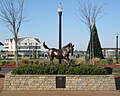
68	61
65	60
51	56
51	60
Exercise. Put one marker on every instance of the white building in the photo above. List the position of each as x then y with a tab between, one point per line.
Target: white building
27	46
110	52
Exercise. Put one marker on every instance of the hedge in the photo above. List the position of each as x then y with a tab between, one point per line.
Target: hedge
59	69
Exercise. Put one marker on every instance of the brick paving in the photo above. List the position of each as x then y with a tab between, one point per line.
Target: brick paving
56	93
1	83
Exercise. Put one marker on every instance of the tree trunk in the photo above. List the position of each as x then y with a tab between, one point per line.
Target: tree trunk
16	51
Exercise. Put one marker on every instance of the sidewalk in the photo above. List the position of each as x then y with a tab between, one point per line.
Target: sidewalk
1	83
55	93
60	93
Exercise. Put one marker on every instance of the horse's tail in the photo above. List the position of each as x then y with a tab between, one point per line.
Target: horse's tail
45	46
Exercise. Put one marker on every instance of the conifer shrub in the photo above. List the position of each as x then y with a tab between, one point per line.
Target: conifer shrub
59	69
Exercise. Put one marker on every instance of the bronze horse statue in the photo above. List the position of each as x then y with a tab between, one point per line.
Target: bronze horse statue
57	53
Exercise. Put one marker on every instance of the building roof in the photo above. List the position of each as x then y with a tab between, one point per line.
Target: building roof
21	39
1	44
110	48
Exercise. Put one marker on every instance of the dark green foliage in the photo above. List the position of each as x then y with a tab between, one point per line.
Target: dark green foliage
109	61
60	69
2	75
97	50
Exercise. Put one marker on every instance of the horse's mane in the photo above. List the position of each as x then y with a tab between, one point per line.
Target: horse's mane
68	45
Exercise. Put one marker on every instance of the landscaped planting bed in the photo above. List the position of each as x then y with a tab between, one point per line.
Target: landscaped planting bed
60	69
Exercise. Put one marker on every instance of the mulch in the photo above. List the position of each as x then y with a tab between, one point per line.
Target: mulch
8	66
112	65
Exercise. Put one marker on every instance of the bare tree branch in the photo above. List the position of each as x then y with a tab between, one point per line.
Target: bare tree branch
11	13
88	14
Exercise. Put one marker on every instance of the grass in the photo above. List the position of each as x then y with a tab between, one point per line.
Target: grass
47	61
116	74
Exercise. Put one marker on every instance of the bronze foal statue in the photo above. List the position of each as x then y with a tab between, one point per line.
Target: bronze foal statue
63	53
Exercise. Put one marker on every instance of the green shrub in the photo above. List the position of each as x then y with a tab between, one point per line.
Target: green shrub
25	60
54	69
119	70
109	61
61	69
3	62
80	61
2	75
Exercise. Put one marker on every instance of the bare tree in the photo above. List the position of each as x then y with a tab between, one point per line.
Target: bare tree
11	13
88	14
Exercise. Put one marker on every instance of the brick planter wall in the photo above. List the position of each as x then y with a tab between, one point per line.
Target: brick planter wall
48	82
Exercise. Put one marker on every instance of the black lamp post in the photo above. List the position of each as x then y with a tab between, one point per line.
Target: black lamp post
117	48
60	40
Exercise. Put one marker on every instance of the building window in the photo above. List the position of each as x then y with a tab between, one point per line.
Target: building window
25	43
30	43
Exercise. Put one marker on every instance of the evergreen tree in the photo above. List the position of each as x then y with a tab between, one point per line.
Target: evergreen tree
95	45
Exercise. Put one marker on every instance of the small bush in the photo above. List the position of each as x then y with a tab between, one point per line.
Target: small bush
12	61
80	61
25	61
3	62
119	70
2	75
109	61
114	61
96	61
54	69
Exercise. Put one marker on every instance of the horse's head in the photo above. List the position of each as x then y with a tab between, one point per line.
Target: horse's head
69	47
72	49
